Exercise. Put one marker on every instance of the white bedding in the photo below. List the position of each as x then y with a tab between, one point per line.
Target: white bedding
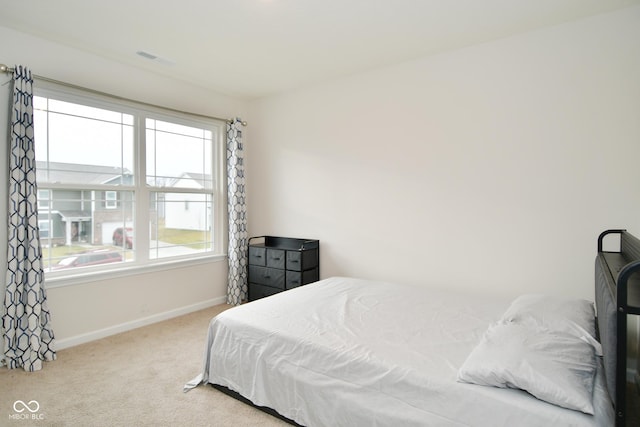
349	352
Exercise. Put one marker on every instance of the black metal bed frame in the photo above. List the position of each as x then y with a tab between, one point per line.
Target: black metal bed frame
243	399
617	296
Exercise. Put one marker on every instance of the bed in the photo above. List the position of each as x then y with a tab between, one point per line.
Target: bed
353	352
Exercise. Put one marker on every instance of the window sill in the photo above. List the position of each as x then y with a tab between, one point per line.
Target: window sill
92	276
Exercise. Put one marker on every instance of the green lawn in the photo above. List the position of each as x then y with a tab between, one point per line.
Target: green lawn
192	238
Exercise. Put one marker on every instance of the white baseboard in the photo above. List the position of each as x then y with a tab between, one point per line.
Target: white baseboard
127	326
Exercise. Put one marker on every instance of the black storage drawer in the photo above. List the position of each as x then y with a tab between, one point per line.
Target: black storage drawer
257	256
267	276
293	279
260	291
302	260
294	260
280	263
275	258
298	278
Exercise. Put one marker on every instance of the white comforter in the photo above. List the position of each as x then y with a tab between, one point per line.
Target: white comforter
349	352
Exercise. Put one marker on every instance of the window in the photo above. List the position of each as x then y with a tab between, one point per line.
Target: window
114	179
43	199
43	228
111	199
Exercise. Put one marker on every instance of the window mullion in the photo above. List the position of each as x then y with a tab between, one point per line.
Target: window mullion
143	220
219	196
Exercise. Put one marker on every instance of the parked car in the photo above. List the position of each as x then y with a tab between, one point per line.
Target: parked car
123	236
86	259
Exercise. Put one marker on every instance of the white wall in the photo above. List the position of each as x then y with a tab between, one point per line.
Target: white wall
98	308
493	167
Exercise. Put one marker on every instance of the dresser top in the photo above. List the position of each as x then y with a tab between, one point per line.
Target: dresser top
289	243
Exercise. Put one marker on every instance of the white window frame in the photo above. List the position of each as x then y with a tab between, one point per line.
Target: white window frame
41	197
110	202
142	111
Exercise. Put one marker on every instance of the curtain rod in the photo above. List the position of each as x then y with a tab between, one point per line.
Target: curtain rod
9	70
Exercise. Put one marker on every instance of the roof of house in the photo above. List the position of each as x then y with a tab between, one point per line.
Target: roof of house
58	172
69	215
202	180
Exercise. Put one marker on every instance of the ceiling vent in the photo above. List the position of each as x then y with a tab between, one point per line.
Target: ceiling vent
146	55
152	57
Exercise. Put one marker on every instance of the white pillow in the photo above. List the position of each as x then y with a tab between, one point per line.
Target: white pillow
555	367
568	315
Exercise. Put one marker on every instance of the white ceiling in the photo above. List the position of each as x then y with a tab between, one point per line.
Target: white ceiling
253	48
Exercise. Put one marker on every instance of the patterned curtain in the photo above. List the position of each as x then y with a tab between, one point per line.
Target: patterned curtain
237	284
26	321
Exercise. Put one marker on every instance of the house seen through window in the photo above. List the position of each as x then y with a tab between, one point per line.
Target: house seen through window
123	185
